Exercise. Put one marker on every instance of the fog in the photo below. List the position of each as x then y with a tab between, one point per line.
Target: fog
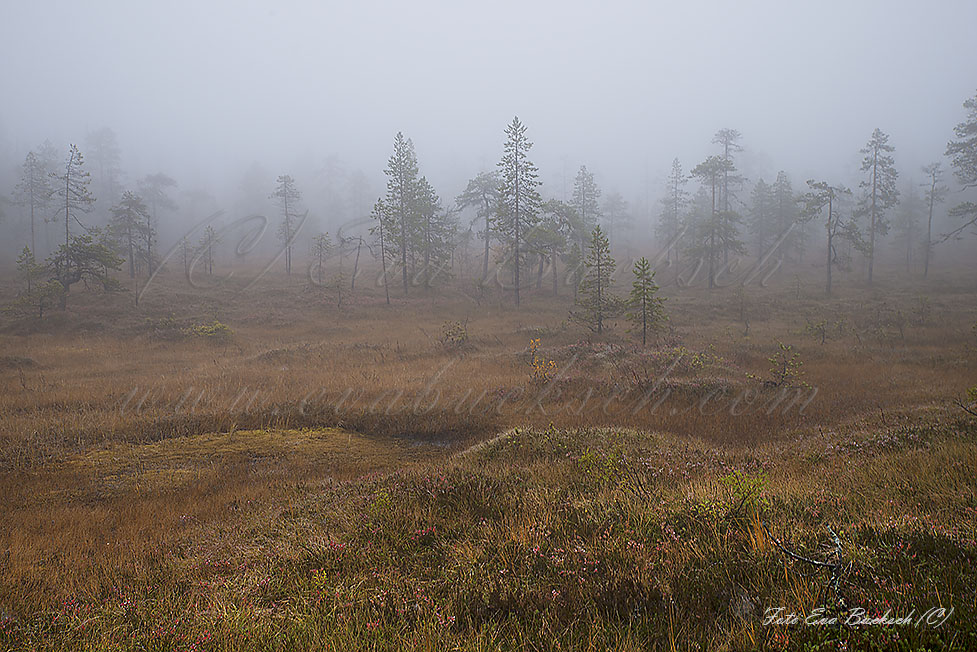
206	91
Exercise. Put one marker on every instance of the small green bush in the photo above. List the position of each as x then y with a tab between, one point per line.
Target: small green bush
216	331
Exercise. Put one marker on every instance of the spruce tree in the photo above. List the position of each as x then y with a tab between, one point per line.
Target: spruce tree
74	197
288	197
674	202
400	211
646	308
715	232
615	214
519	198
789	228
186	252
38	294
130	219
435	233
763	222
586	196
321	248
155	188
34	190
103	148
595	302
28	269
380	215
728	139
205	250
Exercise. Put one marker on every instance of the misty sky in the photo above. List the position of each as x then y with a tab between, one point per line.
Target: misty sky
203	89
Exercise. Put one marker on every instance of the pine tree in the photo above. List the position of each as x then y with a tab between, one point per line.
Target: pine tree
482	193
935	194
763	221
130	219
88	258
697	224
155	188
906	225
205	249
559	223
789	229
880	193
546	240
673	203
595	302
34	190
647	309
288	197
963	158
821	196
728	139
573	260
715	232
38	294
74	197
519	198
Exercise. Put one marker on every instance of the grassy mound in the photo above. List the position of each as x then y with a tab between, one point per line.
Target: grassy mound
564	539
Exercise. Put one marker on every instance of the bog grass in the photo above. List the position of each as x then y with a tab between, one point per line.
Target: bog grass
316	478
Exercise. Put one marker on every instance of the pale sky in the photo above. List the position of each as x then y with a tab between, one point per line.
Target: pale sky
203	89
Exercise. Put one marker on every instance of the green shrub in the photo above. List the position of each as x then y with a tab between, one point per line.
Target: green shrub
215	331
454	335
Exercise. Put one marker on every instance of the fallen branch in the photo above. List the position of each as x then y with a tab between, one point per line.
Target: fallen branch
969	409
834	566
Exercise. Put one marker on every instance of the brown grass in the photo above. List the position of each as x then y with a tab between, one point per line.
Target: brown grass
124	442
